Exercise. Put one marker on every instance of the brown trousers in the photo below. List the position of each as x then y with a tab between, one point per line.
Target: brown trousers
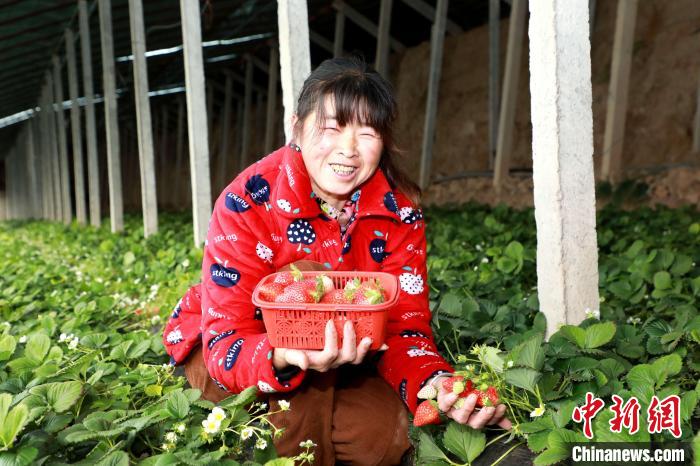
350	413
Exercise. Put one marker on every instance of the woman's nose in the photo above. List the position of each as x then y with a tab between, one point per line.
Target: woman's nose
347	143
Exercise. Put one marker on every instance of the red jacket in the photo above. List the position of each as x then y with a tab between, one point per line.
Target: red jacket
265	219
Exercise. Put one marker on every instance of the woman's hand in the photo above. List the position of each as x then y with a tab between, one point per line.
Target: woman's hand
330	357
468	414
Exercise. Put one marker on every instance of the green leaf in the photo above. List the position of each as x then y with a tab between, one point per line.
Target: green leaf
62	395
514	250
116	458
22	457
244	398
537	441
530	353
153	390
490	356
548	457
280	462
662	280
178	405
7	347
12	422
37	347
129	258
575	335
599	334
451	304
428	451
523	377
463	441
56	422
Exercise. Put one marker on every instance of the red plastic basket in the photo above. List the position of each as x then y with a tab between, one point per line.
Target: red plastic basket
302	326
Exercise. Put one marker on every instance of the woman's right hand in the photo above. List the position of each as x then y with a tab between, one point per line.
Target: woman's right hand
330	357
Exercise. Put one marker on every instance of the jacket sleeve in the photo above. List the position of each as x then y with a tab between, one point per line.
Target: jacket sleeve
237	254
412	358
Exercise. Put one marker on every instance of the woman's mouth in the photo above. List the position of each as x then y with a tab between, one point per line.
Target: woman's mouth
343	170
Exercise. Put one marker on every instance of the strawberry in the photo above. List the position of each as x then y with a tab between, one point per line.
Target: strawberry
352	285
297	292
326	283
427	393
270	291
488	397
454	385
426	413
336	296
369	292
287	278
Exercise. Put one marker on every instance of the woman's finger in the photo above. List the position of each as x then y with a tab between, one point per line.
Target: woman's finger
479	420
297	358
462	414
349	349
505	423
362	350
498	415
445	399
322	360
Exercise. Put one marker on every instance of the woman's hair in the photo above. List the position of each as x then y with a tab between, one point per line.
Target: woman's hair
361	96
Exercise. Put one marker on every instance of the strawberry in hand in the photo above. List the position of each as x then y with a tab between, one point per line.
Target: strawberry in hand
426	413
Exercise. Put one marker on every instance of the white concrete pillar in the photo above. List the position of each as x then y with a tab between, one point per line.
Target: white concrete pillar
506	123
163	156
55	171
271	112
34	128
114	163
196	119
562	145
63	173
90	125
494	75
339	34
76	130
31	164
436	45
295	59
143	120
247	114
381	62
619	85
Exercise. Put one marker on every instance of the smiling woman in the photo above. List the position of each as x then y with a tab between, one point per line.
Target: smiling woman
331	200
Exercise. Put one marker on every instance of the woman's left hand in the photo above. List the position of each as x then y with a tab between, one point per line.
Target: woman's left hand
469	414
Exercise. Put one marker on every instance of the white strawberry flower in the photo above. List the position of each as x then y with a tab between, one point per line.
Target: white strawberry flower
261	444
307	444
284	405
509	364
485	260
23	339
180	428
539	411
211	426
73	344
171	437
247	433
217	414
593	313
62	337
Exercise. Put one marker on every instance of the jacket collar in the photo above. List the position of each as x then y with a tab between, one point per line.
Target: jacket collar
292	196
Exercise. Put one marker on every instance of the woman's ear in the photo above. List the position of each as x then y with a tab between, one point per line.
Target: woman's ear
295	118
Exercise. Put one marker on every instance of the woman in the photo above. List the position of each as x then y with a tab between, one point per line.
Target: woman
334	198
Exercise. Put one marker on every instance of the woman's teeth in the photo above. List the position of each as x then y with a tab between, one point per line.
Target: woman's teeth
342	169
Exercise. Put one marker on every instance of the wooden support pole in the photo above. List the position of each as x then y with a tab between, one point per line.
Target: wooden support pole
272	98
591	16
381	62
90	125
196	118
295	59
506	123
429	13
41	135
114	164
149	201
365	23
339	34
225	132
696	125
562	146
494	75
247	114
76	130
436	47
66	204
619	86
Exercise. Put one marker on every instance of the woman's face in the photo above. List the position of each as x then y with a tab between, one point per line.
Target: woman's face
338	158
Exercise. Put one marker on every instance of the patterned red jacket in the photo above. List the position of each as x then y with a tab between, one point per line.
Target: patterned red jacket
266	218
